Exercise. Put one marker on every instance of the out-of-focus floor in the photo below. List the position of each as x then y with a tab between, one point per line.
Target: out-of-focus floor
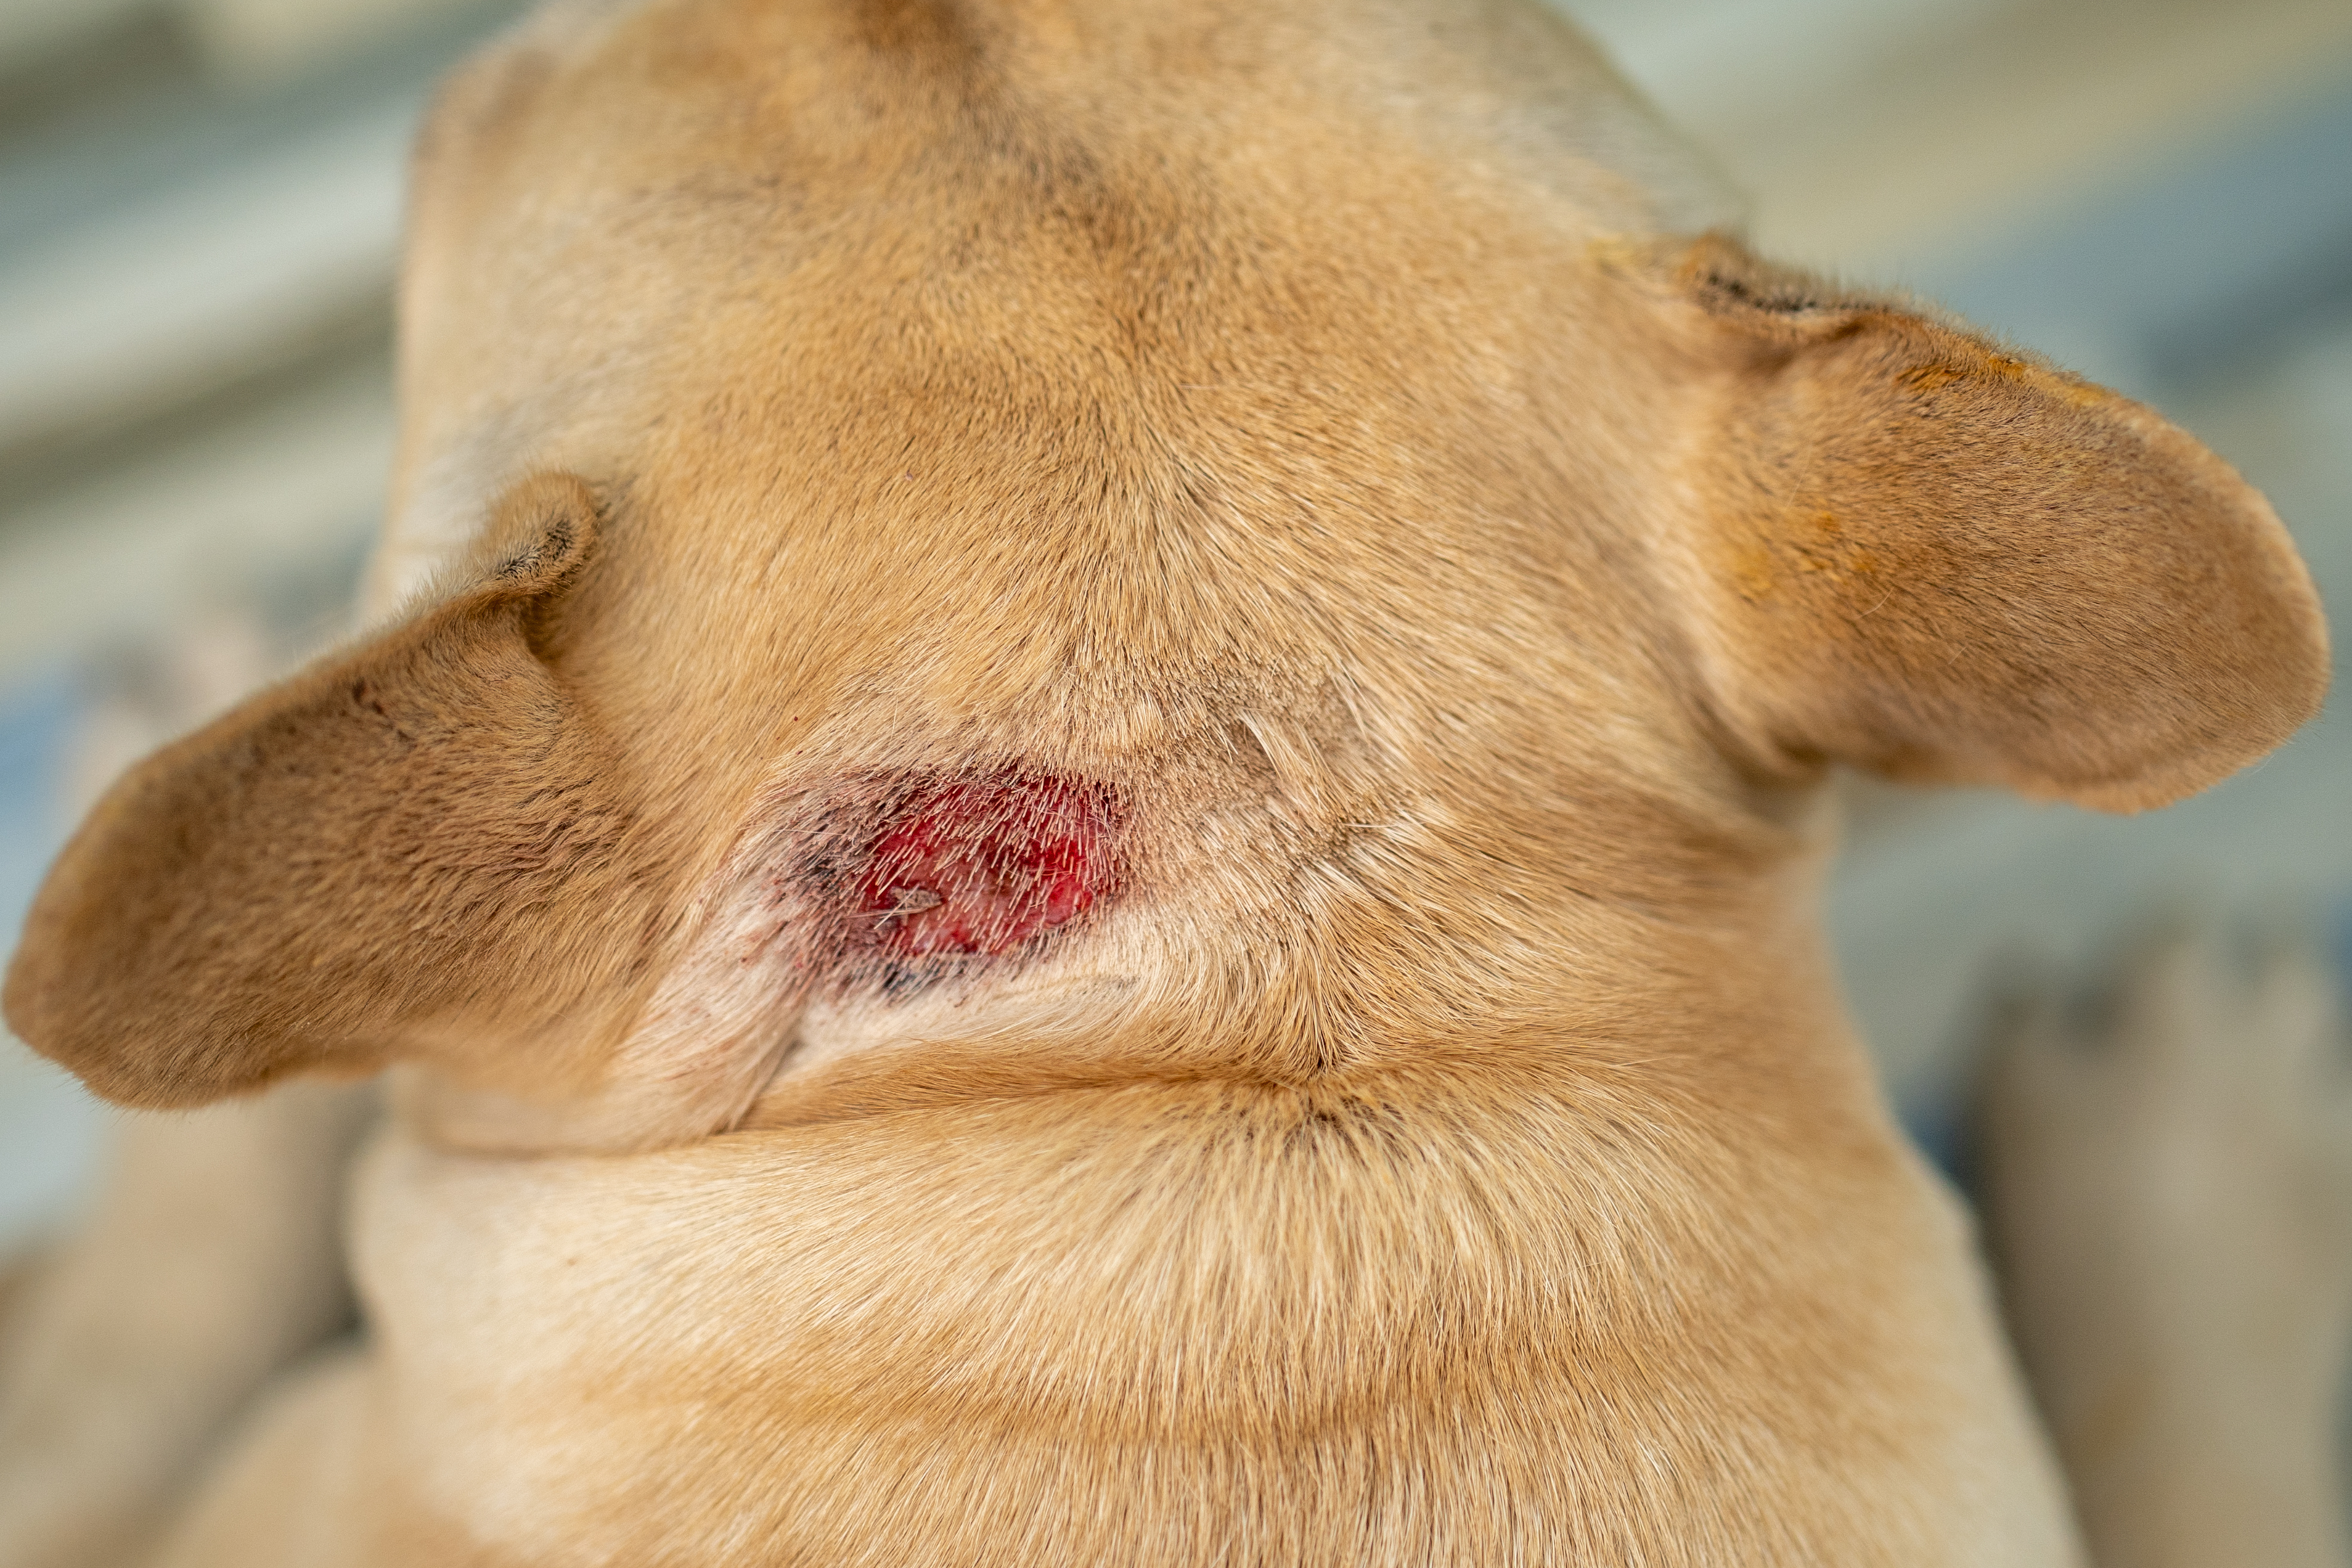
198	201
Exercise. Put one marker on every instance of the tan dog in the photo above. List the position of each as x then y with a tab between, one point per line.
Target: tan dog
1096	845
2169	1186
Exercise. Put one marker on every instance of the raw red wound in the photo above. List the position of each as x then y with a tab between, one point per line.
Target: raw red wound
981	866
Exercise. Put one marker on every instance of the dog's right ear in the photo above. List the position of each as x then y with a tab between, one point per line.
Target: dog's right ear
408	848
1912	551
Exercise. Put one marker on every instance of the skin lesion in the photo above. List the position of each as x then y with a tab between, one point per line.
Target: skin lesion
985	866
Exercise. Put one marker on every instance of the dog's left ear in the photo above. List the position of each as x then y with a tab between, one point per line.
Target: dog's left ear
413	849
1917	553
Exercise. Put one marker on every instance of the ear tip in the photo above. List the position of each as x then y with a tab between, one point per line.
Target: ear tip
39	1012
119	1056
2258	709
56	1018
2185	542
36	997
20	1007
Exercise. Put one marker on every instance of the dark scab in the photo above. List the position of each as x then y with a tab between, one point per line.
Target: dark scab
901	980
922	879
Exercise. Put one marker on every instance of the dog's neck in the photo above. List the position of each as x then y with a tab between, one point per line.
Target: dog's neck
996	1001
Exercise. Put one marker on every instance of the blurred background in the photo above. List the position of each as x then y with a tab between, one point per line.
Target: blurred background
200	199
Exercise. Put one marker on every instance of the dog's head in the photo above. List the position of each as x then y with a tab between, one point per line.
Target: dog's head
1019	541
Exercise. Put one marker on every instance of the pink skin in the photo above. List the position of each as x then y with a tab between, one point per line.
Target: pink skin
981	867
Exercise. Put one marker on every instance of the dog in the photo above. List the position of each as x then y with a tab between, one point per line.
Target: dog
2166	1175
1084	825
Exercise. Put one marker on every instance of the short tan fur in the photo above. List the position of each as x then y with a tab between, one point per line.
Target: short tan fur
1325	430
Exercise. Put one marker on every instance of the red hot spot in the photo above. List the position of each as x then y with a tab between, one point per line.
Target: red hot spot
982	865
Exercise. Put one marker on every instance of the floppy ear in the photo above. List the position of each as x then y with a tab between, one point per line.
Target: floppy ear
407	848
1926	556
